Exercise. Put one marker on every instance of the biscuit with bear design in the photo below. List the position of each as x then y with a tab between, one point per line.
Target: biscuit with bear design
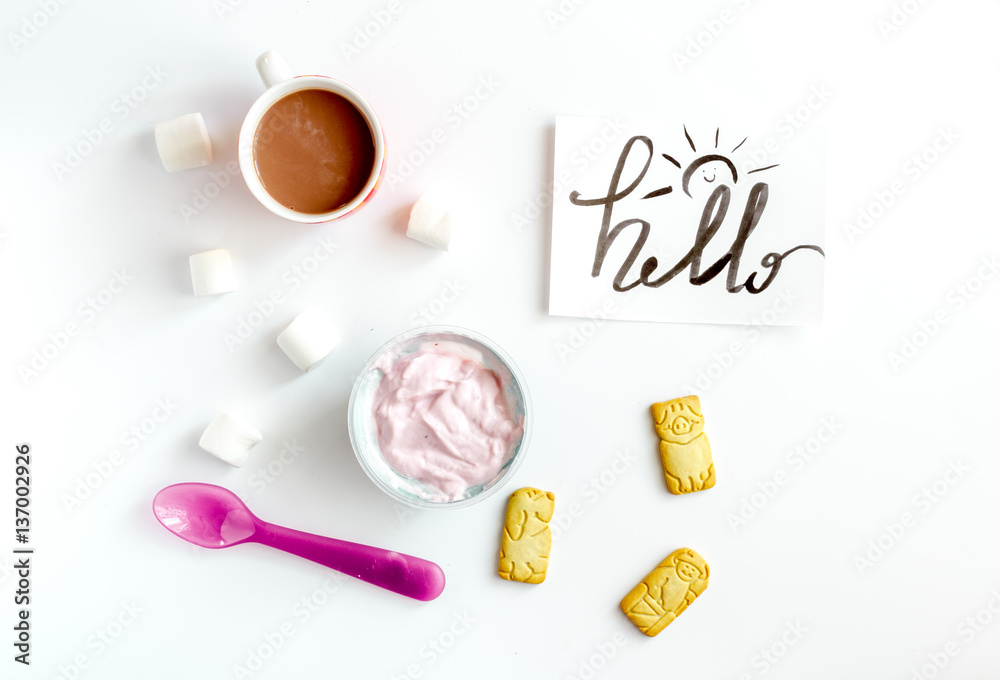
527	540
684	450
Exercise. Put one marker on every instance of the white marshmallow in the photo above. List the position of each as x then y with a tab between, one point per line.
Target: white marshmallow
212	273
229	439
183	142
430	222
308	339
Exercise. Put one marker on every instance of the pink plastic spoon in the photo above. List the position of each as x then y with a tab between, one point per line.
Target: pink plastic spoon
214	517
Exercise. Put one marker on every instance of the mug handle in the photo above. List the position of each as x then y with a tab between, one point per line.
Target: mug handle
273	69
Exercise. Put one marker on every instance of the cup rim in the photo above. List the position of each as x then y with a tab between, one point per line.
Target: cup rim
252	121
510	467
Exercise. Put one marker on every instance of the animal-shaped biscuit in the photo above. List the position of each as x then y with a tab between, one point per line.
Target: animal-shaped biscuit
666	591
527	539
684	449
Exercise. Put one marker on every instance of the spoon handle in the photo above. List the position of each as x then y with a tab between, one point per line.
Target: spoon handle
403	574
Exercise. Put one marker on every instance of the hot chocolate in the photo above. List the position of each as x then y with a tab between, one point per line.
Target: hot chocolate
314	151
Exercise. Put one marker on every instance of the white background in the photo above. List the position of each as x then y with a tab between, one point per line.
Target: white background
793	565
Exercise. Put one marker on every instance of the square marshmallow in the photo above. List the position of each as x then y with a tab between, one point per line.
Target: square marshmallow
430	222
308	339
229	439
212	273
183	143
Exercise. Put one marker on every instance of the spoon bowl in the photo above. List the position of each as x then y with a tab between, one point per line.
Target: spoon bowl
211	516
204	514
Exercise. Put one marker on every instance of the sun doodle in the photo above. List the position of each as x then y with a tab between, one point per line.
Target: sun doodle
711	168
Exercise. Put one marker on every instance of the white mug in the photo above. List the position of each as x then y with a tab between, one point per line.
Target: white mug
280	82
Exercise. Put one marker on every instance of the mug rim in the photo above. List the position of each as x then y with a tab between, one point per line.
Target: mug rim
252	120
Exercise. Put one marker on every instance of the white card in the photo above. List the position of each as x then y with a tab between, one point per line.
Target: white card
685	221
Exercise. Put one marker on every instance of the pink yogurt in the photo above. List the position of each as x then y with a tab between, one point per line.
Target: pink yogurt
442	419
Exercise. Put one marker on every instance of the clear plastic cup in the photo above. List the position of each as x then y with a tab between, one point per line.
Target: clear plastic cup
364	435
